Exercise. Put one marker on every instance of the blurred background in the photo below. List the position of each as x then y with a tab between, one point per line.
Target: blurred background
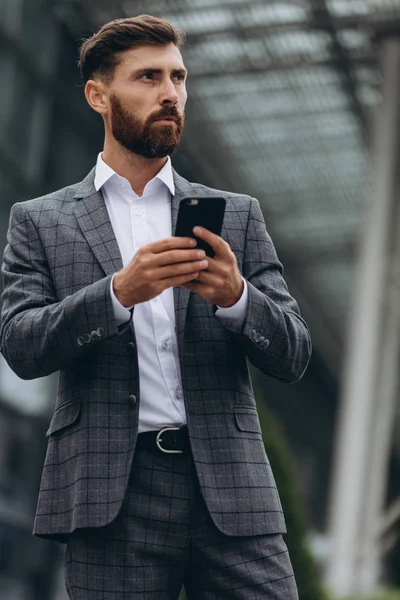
297	103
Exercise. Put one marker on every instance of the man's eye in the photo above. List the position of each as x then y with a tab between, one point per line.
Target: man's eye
180	77
150	75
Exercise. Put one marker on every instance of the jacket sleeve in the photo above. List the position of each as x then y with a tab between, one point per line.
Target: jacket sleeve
39	334
275	337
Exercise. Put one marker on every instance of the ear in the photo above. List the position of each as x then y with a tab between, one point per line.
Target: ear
96	96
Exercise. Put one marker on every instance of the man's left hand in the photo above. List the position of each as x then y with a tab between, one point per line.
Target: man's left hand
220	283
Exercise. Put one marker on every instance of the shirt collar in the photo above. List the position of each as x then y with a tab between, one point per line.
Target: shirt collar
104	173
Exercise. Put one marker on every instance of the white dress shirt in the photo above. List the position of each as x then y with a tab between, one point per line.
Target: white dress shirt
139	220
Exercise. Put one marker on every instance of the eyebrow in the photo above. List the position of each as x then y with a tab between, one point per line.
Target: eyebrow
159	71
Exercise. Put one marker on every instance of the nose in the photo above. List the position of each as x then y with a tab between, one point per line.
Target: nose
169	94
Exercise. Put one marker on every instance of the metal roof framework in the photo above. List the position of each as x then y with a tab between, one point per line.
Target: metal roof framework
281	95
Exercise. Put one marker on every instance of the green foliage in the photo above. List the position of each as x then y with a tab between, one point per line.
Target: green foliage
379	595
304	565
393	559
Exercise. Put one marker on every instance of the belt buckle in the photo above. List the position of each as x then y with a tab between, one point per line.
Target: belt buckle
158	440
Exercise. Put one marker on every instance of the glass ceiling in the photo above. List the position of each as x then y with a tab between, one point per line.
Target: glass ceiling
280	101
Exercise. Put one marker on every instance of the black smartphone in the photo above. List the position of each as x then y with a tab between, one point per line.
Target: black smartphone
207	212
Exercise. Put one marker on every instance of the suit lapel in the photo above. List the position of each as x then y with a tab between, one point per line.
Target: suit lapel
181	296
94	221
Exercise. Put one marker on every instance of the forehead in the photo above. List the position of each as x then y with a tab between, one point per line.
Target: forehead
166	57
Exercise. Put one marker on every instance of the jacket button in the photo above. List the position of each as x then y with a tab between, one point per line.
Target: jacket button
132	399
100	331
80	341
131	346
266	343
87	338
253	334
94	336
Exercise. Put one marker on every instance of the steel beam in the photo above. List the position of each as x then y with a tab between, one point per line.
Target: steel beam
274	66
371	375
322	15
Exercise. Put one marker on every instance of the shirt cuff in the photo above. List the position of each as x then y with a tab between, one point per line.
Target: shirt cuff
234	316
122	313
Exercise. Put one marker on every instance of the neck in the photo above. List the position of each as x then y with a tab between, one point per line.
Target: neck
138	170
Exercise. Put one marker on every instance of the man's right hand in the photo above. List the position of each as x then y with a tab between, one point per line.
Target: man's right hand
155	267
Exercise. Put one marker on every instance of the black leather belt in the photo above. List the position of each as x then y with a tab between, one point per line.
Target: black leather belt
171	440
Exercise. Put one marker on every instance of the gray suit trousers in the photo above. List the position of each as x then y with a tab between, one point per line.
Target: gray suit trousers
163	537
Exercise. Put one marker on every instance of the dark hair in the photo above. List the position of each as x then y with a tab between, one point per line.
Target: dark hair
99	55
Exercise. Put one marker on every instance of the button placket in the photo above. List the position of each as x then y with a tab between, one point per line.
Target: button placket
165	355
139	225
144	230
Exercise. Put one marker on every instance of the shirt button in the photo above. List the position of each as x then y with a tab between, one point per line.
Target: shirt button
164	345
132	398
155	299
178	393
139	213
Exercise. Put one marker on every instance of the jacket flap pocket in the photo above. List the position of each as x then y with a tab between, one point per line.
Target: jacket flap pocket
65	415
246	419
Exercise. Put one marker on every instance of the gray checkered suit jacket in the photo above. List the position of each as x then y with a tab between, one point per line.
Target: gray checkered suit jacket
57	314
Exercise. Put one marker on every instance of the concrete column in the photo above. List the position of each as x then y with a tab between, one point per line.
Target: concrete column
370	378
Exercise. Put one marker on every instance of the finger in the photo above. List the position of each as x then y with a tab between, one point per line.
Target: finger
213	264
181	280
180	269
216	242
171	257
212	273
207	278
189	286
171	243
193	286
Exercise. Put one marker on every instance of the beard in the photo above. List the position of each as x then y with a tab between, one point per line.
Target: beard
146	139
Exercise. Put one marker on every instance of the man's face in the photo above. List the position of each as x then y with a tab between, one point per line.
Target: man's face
149	83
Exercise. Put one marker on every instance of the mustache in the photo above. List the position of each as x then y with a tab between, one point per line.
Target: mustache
167	112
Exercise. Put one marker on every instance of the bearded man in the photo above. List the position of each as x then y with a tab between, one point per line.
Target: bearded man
155	473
